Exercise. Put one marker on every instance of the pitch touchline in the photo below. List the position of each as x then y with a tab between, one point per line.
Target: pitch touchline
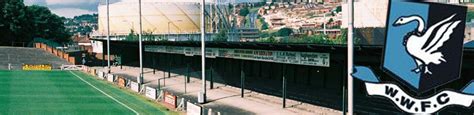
104	93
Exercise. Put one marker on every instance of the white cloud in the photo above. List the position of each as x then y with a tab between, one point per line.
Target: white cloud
70	12
69	2
69	8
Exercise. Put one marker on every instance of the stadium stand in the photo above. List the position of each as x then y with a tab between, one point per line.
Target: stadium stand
17	56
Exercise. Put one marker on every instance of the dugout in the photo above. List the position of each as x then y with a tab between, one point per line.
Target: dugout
321	86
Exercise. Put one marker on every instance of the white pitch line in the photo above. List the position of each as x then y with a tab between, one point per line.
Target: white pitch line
105	93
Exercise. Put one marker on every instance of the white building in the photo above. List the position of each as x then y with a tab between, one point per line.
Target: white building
159	17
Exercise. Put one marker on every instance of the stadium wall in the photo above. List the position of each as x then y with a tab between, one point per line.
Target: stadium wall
58	53
322	86
304	82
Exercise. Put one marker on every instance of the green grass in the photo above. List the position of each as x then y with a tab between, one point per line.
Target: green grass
61	92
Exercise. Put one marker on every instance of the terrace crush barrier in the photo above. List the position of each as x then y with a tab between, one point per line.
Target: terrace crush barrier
59	53
180	103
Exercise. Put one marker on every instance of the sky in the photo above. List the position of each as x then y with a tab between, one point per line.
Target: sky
69	8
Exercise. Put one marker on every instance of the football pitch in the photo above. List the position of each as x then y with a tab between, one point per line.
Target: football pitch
68	92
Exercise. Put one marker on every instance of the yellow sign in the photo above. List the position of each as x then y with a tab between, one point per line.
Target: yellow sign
37	67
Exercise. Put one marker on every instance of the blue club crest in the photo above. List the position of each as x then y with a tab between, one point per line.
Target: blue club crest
423	47
423	50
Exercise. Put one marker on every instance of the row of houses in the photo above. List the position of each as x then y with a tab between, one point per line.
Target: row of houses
302	18
306	1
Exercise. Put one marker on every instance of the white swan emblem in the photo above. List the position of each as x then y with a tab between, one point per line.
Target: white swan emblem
417	43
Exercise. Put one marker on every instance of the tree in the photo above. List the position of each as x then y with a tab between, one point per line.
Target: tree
132	36
230	6
221	36
338	9
264	24
264	34
46	25
87	17
342	39
469	15
244	11
272	39
285	32
13	17
22	23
